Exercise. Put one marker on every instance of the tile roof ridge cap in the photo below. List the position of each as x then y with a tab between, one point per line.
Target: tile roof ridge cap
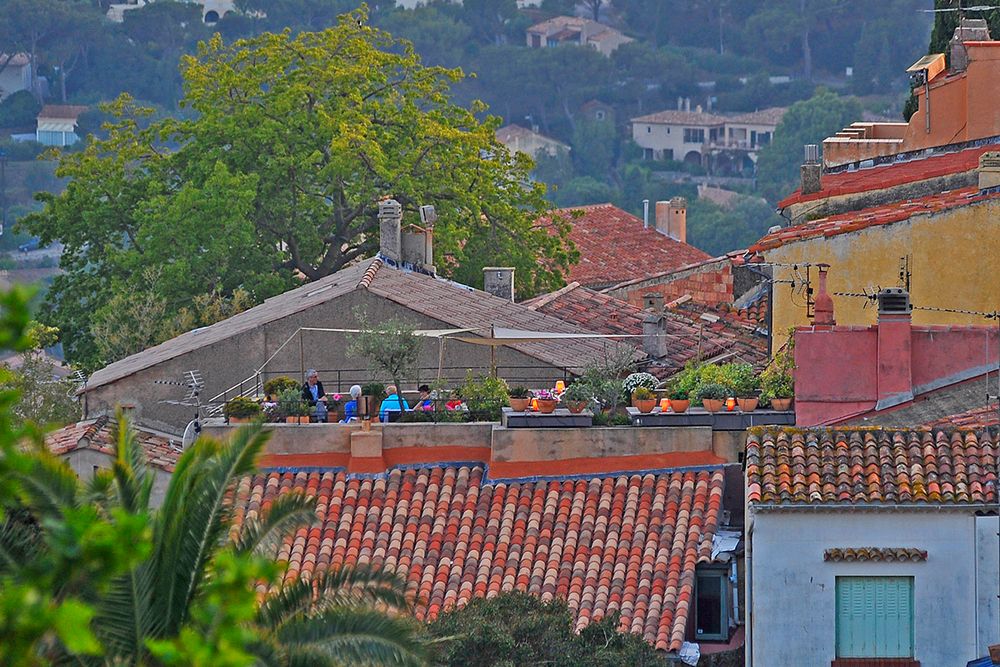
370	273
546	299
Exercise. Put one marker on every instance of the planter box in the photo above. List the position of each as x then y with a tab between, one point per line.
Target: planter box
561	418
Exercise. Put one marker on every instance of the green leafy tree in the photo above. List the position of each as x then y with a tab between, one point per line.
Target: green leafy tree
390	346
806	122
519	629
277	171
42	399
718	230
594	144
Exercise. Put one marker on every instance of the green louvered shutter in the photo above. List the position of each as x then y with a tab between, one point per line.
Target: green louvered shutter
874	617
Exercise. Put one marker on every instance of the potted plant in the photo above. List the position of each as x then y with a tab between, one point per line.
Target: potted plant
636	380
276	385
241	409
643	399
680	399
291	405
712	395
745	385
373	393
547	401
577	396
520	398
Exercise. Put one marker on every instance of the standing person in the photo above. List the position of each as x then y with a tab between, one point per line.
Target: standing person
313	394
393	402
351	407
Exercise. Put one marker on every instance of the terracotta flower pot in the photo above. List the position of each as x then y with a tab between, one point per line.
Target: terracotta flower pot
680	405
239	420
712	404
295	419
645	406
781	404
747	404
576	407
547	407
519	404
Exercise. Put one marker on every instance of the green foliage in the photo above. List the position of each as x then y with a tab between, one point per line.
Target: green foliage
711	390
642	394
636	380
777	380
290	403
19	109
519	629
241	407
389	347
611	419
484	396
806	122
594	148
376	389
42	398
519	392
276	385
742	379
578	391
685	382
718	230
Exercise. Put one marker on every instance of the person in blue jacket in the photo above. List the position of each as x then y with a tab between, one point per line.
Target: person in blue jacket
351	407
393	402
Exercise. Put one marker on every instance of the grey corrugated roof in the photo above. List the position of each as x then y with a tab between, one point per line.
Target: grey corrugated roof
454	304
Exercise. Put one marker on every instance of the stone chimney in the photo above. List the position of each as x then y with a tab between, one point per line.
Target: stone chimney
968	30
390	215
823	306
811	170
417	242
654	342
895	354
652	301
989	170
499	281
671	218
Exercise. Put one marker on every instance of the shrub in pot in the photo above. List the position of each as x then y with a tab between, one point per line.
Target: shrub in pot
679	398
643	399
241	409
712	396
547	401
636	380
520	398
292	407
484	396
276	385
745	385
577	396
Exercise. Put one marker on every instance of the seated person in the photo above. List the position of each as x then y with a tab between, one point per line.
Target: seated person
313	394
351	407
393	402
426	400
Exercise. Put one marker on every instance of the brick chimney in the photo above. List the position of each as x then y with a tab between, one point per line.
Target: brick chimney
499	281
390	215
823	307
654	342
895	355
989	170
652	301
811	170
968	30
671	218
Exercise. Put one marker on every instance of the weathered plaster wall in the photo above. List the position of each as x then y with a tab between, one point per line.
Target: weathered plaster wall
793	589
85	462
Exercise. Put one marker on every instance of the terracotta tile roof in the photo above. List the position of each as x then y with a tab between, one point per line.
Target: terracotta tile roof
615	247
879	466
870	217
508	133
889	555
878	178
676	117
980	417
591	310
626	543
770	116
98	434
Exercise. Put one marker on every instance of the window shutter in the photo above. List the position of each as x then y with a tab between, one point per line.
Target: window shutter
874	617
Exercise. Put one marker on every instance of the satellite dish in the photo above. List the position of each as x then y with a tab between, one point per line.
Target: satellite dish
191	433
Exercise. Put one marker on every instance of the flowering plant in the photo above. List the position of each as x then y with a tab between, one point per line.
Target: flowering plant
636	380
546	395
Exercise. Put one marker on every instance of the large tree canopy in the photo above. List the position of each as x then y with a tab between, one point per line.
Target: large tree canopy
276	173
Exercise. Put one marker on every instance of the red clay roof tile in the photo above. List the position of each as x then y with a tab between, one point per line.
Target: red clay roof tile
98	434
627	543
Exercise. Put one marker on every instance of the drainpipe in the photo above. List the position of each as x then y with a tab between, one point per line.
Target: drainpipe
748	594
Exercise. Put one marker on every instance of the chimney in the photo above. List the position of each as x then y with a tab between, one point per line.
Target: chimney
652	301
654	342
417	243
687	104
390	215
671	218
989	170
968	30
645	214
499	281
895	378
811	170
698	108
680	103
823	307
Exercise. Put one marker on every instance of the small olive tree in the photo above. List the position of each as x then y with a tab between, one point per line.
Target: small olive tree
390	347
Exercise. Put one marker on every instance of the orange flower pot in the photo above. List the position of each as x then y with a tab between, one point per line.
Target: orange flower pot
645	406
546	407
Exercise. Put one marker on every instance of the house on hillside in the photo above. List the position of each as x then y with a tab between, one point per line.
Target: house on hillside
212	10
576	30
529	142
57	125
871	546
615	246
16	74
307	328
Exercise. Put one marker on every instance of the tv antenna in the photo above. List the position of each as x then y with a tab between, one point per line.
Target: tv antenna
977	8
194	383
77	381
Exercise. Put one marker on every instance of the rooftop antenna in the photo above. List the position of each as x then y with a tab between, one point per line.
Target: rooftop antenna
194	383
78	380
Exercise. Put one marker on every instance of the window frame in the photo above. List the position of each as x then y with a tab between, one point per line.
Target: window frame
840	580
725	608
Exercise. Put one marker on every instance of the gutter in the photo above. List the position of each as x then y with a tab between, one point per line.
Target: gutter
990	508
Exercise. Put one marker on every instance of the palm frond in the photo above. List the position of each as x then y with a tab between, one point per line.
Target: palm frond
126	617
48	486
133	483
20	541
356	635
288	511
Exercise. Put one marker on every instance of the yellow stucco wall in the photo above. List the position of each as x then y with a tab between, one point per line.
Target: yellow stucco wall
954	260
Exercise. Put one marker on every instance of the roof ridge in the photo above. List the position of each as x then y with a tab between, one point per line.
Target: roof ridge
544	299
94	428
370	273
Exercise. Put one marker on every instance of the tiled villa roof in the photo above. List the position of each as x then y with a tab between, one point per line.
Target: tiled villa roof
853	221
98	434
849	466
625	543
980	417
615	247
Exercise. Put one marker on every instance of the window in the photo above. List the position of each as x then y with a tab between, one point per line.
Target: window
649	128
694	135
599	114
763	138
647	153
711	605
668	130
536	41
874	617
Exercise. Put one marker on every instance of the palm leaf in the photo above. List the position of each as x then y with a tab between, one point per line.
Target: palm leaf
133	483
48	485
288	511
20	541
